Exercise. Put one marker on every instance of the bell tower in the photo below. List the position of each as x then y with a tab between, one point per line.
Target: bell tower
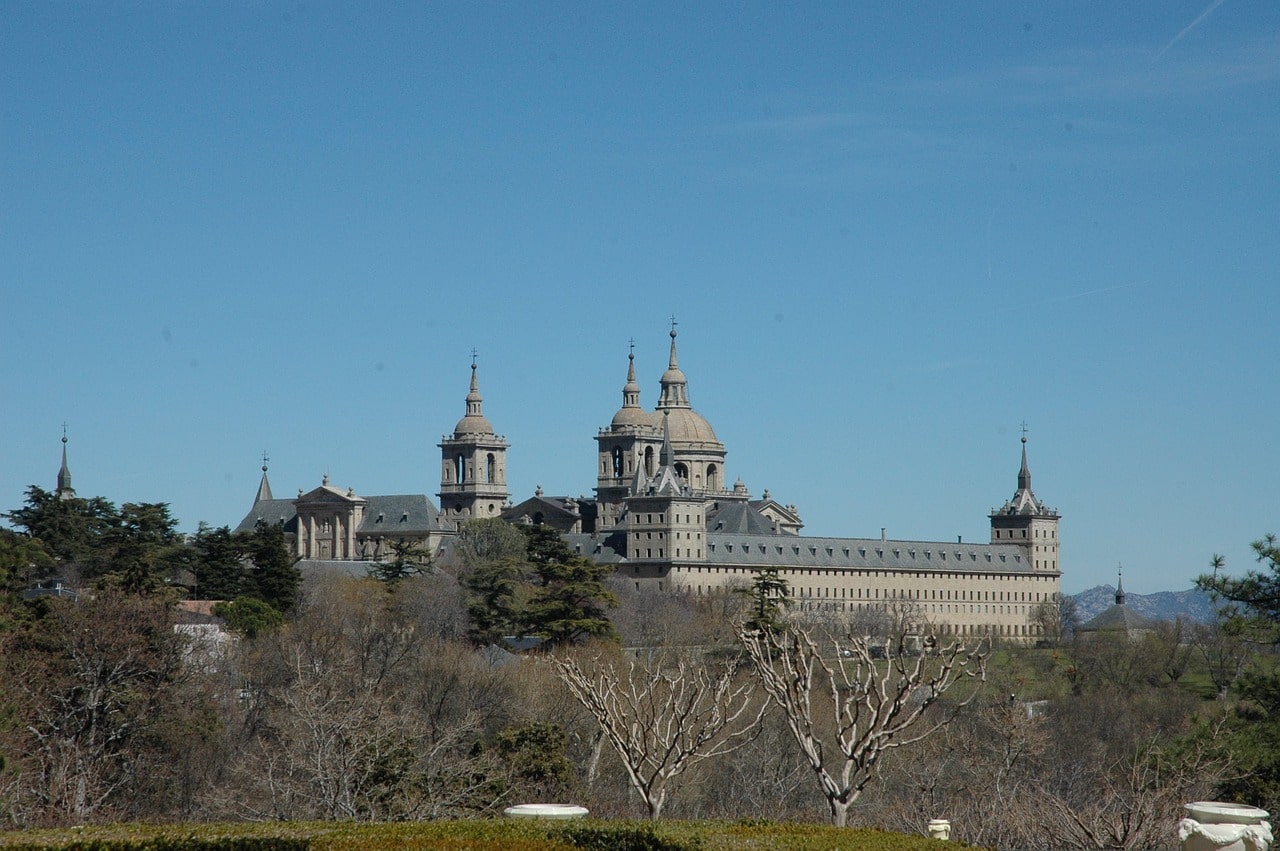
473	464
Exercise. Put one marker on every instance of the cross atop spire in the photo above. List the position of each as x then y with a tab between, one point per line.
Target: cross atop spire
1119	584
264	486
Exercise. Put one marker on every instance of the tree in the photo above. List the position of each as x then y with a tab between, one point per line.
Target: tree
408	558
664	719
1258	591
22	560
72	530
248	616
768	593
92	684
274	576
494	605
547	591
486	541
218	563
142	547
1055	620
871	706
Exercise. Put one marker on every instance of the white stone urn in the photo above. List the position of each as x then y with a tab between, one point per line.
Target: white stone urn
939	828
545	811
1219	826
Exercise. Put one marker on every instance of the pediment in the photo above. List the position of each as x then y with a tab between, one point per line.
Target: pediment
326	495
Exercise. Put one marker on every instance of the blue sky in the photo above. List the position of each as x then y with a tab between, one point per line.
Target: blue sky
889	235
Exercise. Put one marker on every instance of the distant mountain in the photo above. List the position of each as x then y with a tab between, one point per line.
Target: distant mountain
1193	604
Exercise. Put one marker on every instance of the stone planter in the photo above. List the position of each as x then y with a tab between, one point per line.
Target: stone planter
545	811
1219	826
939	828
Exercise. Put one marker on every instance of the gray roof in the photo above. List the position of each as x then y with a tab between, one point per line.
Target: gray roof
864	553
738	518
605	549
1118	618
402	514
272	512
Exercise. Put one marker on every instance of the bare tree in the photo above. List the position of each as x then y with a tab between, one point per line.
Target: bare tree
665	718
874	704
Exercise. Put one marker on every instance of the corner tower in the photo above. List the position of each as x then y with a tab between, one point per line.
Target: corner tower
1027	522
473	464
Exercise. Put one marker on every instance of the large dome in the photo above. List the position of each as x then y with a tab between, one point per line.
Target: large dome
688	426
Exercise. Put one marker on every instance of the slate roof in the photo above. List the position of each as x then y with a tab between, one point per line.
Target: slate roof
605	550
270	511
401	514
738	518
1118	618
864	553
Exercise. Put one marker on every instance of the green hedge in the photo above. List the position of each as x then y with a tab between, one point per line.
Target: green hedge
479	835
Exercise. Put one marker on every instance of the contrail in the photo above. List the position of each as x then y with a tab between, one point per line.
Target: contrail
1188	28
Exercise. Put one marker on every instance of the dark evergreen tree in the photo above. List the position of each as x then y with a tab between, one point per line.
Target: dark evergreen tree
71	530
495	603
274	576
768	594
218	562
408	558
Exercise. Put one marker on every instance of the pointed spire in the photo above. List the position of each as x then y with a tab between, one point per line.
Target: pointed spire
474	399
264	486
1119	585
64	489
631	390
664	457
1024	474
675	387
473	422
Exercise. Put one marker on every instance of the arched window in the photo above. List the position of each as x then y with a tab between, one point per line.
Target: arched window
648	460
460	469
713	478
682	471
490	468
617	462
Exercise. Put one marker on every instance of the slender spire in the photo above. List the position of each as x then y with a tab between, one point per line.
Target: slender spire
664	457
631	390
1119	585
64	489
675	387
264	487
1024	474
474	399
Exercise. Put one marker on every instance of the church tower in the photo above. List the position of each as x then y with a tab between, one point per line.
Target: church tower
473	464
1027	522
630	445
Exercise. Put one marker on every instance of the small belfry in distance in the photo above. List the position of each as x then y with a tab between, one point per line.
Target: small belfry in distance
664	516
